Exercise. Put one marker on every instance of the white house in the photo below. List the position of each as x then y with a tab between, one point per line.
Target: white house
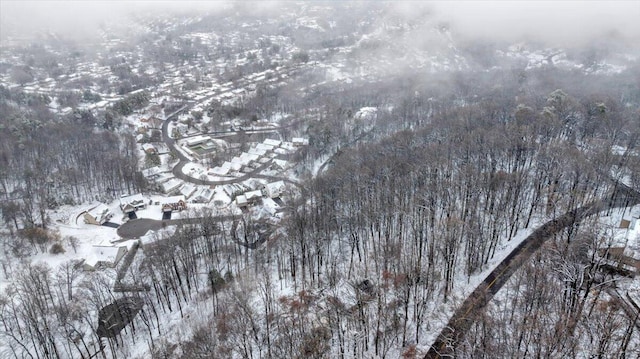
272	142
253	196
241	201
220	170
132	202
187	190
274	189
171	185
204	195
98	215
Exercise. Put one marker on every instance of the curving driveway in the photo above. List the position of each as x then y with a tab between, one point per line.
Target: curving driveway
469	311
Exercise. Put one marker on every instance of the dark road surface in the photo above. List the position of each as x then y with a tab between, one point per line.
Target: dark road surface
466	315
137	228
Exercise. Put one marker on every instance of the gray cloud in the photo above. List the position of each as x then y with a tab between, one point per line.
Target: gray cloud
557	23
81	19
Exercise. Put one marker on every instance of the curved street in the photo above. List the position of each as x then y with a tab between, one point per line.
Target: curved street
470	310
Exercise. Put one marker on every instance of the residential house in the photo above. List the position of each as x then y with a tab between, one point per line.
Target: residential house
220	170
272	142
248	198
171	185
132	203
97	215
204	195
187	190
273	189
174	203
241	201
149	148
299	141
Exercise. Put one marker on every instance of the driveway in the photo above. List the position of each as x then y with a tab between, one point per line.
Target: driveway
137	228
453	333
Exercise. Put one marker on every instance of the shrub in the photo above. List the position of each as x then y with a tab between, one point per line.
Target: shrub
56	248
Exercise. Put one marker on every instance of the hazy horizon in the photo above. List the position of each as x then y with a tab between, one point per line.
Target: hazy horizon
557	23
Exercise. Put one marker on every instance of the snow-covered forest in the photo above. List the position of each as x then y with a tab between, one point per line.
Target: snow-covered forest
353	180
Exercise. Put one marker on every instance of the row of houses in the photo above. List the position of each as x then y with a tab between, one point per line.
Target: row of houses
269	190
258	155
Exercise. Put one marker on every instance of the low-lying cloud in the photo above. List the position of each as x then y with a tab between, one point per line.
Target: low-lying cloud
557	23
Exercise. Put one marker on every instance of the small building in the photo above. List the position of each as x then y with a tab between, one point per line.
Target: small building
149	148
132	203
241	201
264	147
272	142
253	196
171	185
299	141
220	170
279	164
204	195
153	172
187	190
257	152
163	177
273	189
97	215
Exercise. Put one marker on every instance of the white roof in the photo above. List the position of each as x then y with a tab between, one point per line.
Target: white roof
272	142
171	185
280	163
164	177
131	198
187	190
241	200
219	171
99	211
253	194
248	157
262	146
237	160
148	146
197	139
257	152
205	193
172	199
274	188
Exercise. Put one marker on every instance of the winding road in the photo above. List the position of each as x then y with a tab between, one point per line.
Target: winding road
461	321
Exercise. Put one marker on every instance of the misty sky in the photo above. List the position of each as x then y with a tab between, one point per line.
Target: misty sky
555	22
